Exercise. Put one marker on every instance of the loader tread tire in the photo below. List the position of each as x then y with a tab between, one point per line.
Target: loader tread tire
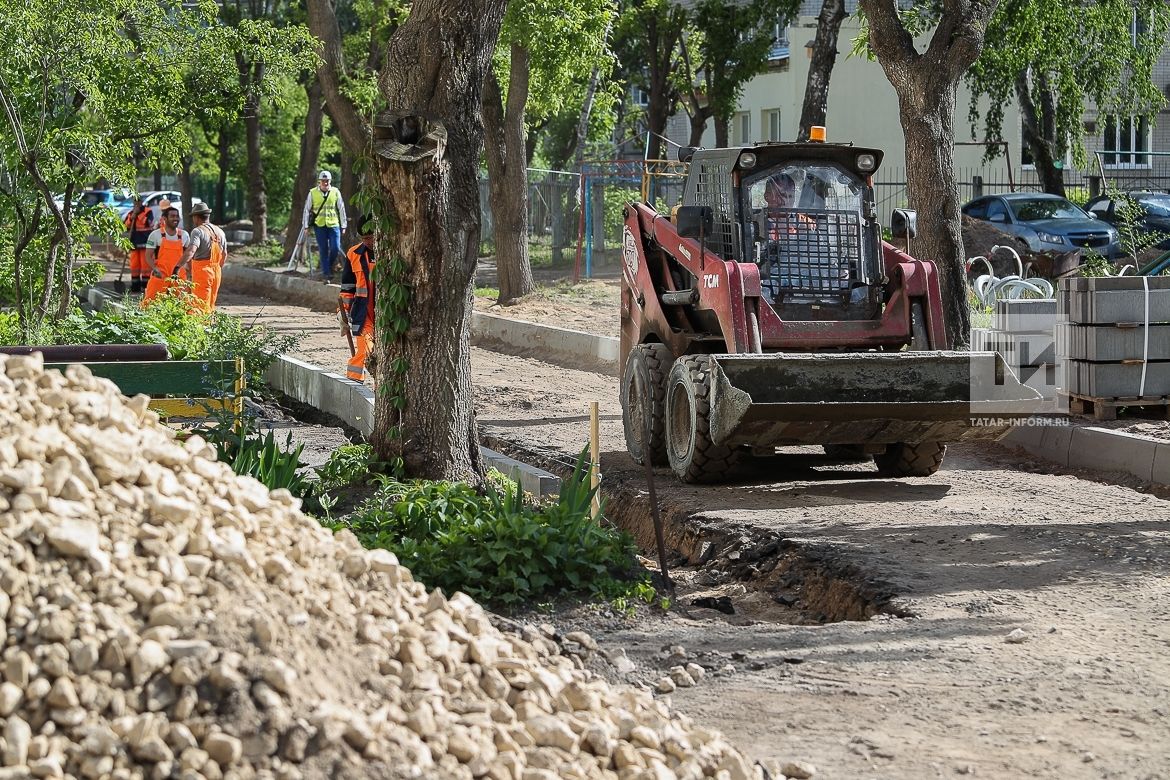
911	460
657	359
694	457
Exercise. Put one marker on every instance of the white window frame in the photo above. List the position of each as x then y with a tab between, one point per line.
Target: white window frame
741	128
1031	166
770	124
1135	152
640	97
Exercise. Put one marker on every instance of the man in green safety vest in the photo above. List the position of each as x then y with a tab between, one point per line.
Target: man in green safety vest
325	214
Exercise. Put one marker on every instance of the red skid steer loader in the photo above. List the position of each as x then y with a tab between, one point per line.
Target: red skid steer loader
767	311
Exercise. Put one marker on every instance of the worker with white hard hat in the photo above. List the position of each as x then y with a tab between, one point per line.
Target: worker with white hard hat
325	214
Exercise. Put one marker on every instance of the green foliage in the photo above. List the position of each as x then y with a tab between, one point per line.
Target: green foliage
1131	225
495	547
239	444
1067	55
615	201
347	465
732	41
1096	265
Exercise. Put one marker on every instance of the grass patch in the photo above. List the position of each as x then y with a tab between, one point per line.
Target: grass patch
499	546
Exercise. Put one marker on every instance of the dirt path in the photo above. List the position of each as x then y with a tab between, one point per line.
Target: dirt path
990	545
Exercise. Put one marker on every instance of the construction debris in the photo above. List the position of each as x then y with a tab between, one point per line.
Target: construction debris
166	618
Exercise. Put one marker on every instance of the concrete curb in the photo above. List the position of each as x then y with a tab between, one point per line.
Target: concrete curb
353	404
528	339
1095	448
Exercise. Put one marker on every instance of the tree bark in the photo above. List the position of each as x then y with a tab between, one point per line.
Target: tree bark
352	128
721	133
252	74
504	151
307	169
1039	132
433	80
185	189
662	36
925	84
224	160
820	70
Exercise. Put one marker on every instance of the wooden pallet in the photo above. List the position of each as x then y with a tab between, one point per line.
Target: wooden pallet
1106	408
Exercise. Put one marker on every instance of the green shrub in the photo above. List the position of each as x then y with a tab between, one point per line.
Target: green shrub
347	465
495	547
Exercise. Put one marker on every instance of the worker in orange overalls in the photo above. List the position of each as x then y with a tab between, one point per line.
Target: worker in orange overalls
205	256
361	306
139	222
165	249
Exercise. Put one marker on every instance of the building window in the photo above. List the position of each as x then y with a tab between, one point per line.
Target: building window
1138	26
1125	139
641	96
780	45
741	129
771	124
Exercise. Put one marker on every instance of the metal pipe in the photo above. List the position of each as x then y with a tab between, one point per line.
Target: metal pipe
92	353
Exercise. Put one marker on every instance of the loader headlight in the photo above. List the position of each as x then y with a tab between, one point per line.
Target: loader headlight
747	160
865	162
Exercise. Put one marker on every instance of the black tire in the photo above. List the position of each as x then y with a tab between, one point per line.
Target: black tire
652	361
692	454
911	460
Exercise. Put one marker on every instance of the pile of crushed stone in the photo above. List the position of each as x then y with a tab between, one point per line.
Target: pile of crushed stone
166	618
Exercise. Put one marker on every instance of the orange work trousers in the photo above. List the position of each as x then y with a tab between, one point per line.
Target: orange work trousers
218	282
363	345
205	276
156	285
138	266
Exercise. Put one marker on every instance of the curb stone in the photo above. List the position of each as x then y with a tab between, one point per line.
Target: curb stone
1140	457
353	403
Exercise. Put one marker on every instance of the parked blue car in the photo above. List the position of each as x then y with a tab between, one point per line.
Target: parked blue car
1047	223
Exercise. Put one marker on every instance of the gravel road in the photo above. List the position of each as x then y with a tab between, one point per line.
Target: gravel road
1035	636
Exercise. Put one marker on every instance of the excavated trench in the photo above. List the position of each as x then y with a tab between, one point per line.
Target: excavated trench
741	573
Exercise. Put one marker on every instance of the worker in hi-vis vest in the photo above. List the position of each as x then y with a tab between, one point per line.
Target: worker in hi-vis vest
165	249
325	214
359	278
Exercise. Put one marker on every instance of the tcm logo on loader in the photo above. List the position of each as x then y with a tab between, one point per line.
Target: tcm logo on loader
630	252
710	280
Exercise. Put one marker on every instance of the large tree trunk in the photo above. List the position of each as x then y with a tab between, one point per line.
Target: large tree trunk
925	83
928	123
820	70
1039	131
224	160
504	151
428	237
698	116
307	169
251	75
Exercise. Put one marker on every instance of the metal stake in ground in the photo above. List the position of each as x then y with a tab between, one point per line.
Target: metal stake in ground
642	383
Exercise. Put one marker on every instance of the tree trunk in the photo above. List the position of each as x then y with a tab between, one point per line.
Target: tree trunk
351	126
928	123
224	161
157	176
428	236
925	83
504	152
820	70
698	116
185	188
253	74
307	169
1038	132
350	183
721	133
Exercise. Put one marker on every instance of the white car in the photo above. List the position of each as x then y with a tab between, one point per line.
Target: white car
152	199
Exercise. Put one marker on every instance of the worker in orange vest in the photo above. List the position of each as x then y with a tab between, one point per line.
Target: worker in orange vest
361	309
139	222
206	256
165	249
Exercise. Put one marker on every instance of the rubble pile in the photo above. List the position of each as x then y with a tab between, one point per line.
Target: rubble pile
166	618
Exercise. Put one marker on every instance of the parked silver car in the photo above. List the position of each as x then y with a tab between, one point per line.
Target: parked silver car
1047	223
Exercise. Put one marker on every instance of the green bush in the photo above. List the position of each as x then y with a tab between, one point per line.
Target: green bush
347	465
495	547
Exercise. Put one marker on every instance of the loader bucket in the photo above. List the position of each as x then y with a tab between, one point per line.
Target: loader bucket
865	398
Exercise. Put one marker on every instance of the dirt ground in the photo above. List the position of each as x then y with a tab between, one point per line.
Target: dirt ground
1023	625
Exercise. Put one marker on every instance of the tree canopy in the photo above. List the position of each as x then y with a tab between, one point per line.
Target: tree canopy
1055	59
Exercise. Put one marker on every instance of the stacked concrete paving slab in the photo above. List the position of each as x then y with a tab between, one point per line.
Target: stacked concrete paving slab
1022	333
1113	335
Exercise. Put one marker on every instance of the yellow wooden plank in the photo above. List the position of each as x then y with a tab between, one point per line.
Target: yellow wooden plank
190	407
